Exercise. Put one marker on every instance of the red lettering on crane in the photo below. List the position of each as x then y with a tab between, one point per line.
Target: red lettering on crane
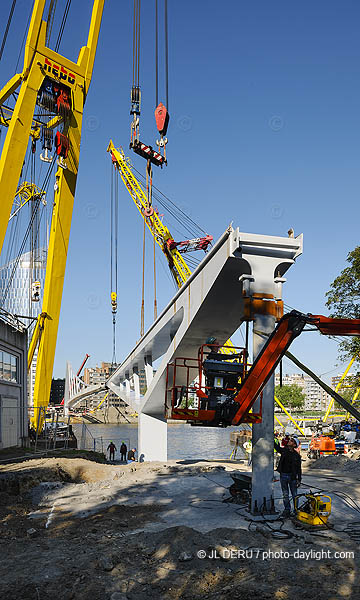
59	72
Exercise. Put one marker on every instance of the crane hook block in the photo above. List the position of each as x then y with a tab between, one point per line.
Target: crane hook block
47	142
113	301
35	291
62	148
161	118
135	100
148	152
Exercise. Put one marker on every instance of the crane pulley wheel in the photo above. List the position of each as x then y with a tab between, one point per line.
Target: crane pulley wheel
148	212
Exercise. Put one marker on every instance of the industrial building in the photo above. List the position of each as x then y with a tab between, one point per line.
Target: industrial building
13	382
16	278
57	391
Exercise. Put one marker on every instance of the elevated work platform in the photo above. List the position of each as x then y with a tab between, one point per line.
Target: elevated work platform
210	303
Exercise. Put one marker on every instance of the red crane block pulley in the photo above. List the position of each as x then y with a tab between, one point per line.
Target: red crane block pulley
161	118
63	102
61	144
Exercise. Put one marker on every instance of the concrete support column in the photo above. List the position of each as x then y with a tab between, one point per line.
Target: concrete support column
127	385
149	371
152	439
136	381
263	433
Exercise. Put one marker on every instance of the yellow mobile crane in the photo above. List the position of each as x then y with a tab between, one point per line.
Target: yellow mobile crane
59	86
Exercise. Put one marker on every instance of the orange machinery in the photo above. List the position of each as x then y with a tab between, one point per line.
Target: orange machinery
218	390
321	445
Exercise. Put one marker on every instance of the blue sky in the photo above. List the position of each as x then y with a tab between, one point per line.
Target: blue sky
265	122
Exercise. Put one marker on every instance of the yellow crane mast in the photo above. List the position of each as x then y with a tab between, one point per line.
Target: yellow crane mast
45	69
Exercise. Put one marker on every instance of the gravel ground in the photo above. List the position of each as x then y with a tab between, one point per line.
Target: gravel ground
109	551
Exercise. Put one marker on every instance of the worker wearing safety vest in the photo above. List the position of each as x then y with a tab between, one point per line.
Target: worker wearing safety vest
248	449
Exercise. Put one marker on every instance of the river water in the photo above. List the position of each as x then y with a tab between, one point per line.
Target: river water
184	441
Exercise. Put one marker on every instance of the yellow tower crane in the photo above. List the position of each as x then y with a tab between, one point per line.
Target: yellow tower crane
52	79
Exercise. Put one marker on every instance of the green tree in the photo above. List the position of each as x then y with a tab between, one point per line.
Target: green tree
290	395
343	300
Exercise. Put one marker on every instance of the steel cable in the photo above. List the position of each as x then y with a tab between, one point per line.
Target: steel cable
26	235
156	56
50	20
23	41
7	28
136	43
175	207
111	224
62	26
166	57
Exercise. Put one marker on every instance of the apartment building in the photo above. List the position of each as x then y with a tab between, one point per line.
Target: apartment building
315	397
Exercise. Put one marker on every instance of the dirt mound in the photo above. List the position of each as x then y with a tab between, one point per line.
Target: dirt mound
18	478
341	463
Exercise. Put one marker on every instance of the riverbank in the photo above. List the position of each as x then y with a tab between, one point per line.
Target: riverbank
72	528
108	416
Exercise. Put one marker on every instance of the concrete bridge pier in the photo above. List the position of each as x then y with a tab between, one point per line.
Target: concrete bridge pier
152	436
263	433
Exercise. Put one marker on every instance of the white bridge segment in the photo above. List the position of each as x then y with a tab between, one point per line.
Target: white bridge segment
76	389
210	303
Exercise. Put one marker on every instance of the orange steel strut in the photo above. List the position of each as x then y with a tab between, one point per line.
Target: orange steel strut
288	328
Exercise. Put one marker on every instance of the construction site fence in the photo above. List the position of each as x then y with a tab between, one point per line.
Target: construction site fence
53	435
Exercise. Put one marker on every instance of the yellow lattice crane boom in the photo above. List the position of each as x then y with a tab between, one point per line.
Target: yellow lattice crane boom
47	79
158	230
26	192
